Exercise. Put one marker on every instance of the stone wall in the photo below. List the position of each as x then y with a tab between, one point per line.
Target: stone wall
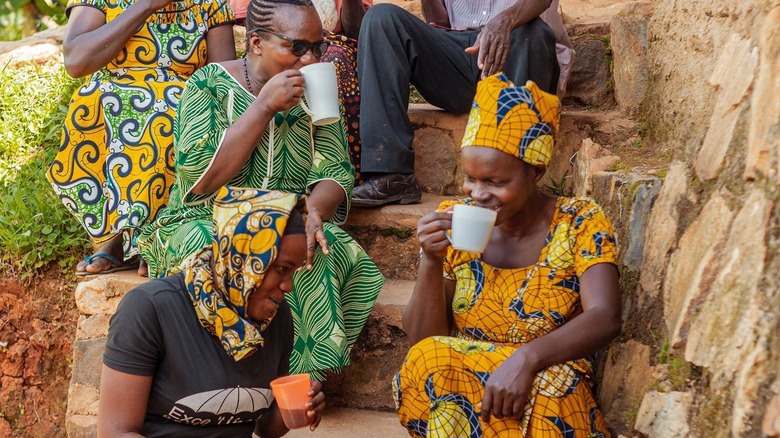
699	354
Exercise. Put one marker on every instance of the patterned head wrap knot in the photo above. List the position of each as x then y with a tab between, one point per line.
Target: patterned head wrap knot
519	121
248	229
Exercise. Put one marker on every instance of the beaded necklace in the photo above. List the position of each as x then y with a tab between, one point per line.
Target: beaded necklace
246	76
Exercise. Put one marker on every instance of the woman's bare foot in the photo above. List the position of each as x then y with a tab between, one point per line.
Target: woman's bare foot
102	261
143	269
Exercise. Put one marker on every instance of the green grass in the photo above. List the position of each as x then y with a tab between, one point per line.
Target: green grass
35	228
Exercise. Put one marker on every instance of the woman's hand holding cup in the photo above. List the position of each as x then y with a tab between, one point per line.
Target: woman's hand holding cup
282	92
300	400
316	405
432	232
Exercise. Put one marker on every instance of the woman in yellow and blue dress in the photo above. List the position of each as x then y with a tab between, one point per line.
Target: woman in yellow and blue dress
500	338
114	168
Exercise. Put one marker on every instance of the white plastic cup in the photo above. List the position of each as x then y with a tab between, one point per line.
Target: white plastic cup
322	92
471	227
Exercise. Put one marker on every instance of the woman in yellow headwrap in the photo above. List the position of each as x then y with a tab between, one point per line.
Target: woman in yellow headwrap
499	338
192	354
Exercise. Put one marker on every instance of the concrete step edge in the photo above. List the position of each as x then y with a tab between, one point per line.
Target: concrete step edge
390	303
357	423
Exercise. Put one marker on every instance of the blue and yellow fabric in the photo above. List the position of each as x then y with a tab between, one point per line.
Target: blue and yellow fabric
519	121
249	225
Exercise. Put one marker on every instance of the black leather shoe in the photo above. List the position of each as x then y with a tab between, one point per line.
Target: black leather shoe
387	189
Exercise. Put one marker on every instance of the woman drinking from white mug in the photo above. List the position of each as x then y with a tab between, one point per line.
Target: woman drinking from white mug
500	337
244	123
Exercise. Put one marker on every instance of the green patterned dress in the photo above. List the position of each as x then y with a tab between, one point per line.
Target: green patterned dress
114	167
330	303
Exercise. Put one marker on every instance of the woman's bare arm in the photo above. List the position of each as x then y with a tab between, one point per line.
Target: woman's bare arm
123	400
429	310
220	44
90	43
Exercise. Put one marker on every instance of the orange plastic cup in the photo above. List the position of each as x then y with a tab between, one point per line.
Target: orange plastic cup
292	394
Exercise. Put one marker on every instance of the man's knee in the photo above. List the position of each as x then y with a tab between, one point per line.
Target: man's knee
383	14
535	31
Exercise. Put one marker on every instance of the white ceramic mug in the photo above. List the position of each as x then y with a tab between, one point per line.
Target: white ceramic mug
322	92
471	227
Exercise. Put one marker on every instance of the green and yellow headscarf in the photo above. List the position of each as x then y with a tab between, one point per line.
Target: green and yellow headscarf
248	229
519	121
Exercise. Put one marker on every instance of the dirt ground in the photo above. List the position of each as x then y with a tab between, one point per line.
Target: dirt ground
37	328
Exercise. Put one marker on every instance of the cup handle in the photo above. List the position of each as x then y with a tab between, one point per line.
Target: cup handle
448	235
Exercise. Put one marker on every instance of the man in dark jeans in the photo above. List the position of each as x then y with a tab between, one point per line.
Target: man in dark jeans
465	41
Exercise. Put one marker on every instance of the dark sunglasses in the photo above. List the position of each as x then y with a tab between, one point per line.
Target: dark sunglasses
299	47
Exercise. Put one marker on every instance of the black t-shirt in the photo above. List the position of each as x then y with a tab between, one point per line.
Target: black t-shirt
198	390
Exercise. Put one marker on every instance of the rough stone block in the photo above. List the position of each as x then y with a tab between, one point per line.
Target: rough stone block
81	426
627	375
83	400
436	161
728	321
646	194
88	362
591	158
395	216
693	266
103	293
590	73
436	144
733	75
663	221
763	137
92	326
628	38
665	414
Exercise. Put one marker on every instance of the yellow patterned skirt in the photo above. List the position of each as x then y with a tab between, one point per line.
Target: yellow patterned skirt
114	168
442	383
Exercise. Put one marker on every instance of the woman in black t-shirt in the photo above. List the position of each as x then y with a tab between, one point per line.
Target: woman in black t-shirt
193	354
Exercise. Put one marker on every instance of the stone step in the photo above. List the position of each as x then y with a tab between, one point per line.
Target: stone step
354	423
388	234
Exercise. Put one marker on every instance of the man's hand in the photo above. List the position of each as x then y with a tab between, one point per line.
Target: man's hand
492	45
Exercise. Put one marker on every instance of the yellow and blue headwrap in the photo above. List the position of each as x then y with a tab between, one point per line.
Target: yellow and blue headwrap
519	121
248	229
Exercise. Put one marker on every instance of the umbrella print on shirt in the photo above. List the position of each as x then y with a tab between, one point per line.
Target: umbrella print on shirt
229	400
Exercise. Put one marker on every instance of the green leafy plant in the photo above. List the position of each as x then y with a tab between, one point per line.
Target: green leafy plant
35	228
558	187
